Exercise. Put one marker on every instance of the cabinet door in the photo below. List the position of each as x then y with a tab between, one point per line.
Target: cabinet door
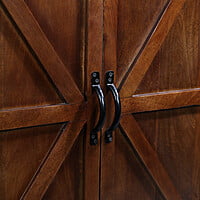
42	109
153	47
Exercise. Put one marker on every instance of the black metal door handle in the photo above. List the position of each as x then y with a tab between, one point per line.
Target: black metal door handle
115	94
97	89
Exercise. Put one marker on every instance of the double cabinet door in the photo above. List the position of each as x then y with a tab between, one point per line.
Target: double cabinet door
99	99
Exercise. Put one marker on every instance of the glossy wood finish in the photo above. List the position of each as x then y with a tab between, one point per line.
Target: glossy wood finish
34	116
161	100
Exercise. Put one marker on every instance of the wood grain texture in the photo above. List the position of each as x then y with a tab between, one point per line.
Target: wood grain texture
43	49
93	50
174	134
131	181
21	153
176	65
136	20
53	161
110	36
93	55
65	184
34	116
196	161
136	73
107	189
62	23
161	100
20	75
149	158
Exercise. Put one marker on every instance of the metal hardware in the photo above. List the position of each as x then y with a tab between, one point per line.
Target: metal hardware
97	89
110	86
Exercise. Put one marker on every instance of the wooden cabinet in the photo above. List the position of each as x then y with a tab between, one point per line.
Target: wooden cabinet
48	109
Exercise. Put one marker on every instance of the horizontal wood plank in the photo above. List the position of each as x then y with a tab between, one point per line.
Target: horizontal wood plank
34	116
161	100
138	68
43	49
149	157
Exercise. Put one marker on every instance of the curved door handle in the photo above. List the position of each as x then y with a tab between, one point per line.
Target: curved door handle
115	94
97	89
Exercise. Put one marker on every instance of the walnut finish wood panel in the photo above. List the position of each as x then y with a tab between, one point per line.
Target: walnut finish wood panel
56	49
44	50
65	184
131	181
176	65
65	42
20	74
174	135
136	73
136	19
93	62
53	161
161	100
109	63
149	158
62	23
34	116
16	149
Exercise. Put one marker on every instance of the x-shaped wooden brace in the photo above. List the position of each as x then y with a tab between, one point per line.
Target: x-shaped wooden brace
37	40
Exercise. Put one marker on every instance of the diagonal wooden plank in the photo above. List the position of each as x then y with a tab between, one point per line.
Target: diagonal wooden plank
149	158
39	43
139	67
53	161
161	100
40	115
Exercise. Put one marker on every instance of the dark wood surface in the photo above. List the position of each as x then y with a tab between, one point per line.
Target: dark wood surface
109	63
174	135
52	162
39	115
43	49
93	63
134	27
135	74
48	50
22	151
71	170
18	80
149	158
42	85
161	100
158	78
